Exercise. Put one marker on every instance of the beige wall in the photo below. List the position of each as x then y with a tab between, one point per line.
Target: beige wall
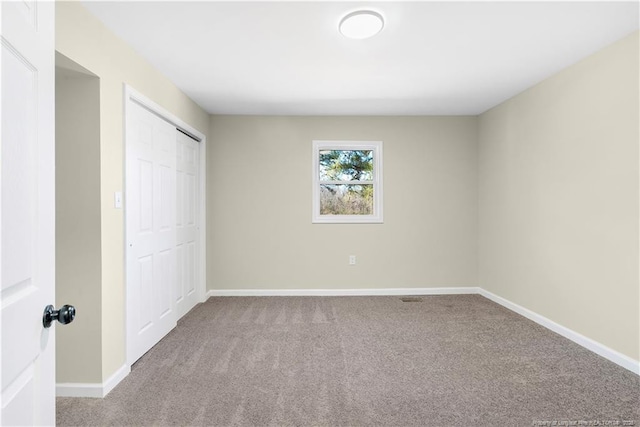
558	198
259	205
78	257
83	39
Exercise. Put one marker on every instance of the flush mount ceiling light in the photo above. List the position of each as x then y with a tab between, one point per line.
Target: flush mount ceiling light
361	24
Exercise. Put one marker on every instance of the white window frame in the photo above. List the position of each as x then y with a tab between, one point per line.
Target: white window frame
376	147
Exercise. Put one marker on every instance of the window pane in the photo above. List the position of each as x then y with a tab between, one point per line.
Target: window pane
346	165
346	199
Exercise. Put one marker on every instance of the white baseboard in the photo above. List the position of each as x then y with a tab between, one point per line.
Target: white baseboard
97	390
340	292
596	347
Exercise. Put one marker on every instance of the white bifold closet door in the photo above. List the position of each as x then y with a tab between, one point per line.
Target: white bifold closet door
151	229
187	164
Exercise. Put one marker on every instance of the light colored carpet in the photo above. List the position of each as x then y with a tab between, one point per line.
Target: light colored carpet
455	360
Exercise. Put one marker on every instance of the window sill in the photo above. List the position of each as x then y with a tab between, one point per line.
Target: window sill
346	219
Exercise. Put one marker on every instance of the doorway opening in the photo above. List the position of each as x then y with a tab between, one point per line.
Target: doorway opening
78	221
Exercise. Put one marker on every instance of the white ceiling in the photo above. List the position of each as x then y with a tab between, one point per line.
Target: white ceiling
432	58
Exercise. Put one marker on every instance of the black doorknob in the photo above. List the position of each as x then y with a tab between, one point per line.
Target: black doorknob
65	315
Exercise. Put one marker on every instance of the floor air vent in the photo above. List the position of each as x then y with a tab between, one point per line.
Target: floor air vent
411	299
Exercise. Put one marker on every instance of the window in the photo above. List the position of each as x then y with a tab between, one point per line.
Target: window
347	182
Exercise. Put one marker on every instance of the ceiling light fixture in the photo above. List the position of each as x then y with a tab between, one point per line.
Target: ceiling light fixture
361	24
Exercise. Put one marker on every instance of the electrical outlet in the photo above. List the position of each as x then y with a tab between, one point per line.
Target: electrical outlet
352	260
117	200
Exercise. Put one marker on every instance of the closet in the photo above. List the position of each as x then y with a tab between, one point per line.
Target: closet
162	226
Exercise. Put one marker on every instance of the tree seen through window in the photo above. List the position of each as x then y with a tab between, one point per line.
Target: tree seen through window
346	182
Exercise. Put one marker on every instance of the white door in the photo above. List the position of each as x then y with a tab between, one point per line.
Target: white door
187	164
28	221
151	232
